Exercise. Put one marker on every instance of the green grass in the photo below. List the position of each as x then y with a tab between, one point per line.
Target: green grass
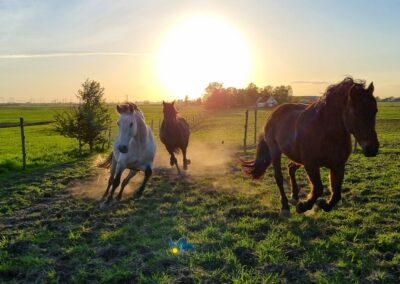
49	236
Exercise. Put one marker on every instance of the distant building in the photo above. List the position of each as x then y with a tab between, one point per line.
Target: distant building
307	99
266	101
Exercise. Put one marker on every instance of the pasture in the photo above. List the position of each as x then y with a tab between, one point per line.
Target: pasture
48	234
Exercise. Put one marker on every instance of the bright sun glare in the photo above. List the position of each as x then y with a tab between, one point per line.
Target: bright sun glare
201	50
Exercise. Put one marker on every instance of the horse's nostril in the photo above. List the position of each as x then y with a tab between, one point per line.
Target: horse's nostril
123	148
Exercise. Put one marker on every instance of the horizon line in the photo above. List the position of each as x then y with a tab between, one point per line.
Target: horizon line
68	54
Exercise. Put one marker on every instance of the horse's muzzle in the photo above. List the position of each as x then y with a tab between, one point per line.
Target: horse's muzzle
123	149
371	150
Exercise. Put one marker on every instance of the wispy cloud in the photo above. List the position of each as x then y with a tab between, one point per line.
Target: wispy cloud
311	82
70	54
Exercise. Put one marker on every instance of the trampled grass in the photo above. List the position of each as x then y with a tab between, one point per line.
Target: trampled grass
49	235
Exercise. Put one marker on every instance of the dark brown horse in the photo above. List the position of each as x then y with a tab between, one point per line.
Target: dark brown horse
174	133
318	135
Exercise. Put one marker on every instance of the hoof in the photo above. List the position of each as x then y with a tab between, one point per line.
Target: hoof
188	162
138	193
321	203
301	208
118	198
103	205
294	201
285	213
185	167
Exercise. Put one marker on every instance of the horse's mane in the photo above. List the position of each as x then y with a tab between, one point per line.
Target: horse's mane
336	92
141	133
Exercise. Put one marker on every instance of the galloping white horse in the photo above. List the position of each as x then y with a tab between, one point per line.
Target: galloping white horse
134	149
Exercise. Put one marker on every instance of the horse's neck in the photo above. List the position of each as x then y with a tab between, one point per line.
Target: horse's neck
331	116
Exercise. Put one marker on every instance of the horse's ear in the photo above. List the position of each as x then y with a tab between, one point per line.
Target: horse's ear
371	88
118	109
163	103
173	102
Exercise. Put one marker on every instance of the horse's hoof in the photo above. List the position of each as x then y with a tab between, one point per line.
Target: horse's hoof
185	167
188	162
103	205
138	193
118	198
294	201
285	213
300	208
321	203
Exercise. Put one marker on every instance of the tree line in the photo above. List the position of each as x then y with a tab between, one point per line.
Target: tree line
216	96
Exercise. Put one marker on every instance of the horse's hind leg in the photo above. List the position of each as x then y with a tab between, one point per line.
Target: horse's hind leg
131	174
147	174
279	181
186	161
316	189
336	176
293	167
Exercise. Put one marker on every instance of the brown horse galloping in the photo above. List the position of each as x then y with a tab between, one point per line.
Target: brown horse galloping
318	135
174	133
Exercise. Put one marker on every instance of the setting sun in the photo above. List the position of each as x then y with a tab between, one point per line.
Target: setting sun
200	50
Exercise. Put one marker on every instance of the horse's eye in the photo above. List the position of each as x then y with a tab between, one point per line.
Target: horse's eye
130	125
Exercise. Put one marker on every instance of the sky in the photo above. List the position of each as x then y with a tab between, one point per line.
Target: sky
48	48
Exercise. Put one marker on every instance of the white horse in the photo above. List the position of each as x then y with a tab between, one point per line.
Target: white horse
134	149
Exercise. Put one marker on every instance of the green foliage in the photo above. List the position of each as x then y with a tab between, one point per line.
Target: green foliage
89	120
218	97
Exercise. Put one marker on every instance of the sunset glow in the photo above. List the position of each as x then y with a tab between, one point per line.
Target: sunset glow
200	50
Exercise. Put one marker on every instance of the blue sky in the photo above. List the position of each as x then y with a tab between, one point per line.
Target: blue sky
47	48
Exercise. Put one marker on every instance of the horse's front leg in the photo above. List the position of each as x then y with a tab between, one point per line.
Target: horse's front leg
292	168
111	179
116	182
172	161
316	189
147	174
131	174
336	176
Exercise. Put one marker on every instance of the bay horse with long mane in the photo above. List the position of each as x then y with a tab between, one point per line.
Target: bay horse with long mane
174	134
315	136
134	149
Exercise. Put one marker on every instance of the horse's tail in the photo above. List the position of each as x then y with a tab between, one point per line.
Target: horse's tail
106	163
257	167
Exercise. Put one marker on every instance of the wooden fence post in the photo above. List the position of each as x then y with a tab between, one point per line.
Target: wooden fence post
152	125
255	126
245	130
21	124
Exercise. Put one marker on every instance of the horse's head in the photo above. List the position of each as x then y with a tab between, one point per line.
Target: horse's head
359	117
170	111
127	126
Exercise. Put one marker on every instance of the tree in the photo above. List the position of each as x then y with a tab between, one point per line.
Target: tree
282	94
88	121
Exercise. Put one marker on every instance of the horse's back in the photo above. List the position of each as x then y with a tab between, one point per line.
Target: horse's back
280	129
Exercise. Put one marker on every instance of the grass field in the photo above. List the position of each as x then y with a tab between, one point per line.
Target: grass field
49	235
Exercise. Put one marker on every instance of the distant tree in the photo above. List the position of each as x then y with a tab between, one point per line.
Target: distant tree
88	121
282	94
186	101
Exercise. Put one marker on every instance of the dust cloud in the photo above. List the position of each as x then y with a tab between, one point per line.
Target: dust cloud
207	159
